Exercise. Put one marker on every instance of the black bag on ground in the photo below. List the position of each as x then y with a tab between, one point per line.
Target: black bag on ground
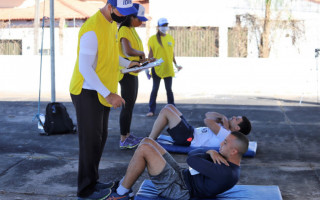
57	120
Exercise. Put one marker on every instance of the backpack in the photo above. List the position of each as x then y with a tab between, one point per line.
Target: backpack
57	120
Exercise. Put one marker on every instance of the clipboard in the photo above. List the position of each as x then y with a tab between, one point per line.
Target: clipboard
146	66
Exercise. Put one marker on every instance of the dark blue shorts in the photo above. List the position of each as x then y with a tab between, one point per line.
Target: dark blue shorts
182	134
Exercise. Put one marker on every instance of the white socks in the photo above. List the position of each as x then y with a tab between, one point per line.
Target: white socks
122	190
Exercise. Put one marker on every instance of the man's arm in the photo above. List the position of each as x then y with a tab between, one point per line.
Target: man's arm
129	51
150	53
87	55
217	118
212	125
127	63
175	63
202	163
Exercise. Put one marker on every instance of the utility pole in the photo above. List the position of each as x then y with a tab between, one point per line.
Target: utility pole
53	86
36	27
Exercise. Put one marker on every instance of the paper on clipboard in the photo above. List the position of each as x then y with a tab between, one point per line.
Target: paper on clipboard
149	65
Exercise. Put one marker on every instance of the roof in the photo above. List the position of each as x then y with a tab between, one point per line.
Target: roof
68	9
315	1
11	3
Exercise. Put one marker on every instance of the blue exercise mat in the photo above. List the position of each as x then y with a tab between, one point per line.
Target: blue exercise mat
167	143
147	191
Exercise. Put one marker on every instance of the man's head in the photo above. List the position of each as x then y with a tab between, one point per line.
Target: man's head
135	20
140	12
163	25
119	9
234	146
241	124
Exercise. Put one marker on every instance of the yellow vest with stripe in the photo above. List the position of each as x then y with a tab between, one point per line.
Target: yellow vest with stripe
107	56
132	36
165	52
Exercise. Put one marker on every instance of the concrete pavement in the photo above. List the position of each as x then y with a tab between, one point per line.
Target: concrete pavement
45	167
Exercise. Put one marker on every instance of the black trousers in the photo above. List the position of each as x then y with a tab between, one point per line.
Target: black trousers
92	121
129	92
154	93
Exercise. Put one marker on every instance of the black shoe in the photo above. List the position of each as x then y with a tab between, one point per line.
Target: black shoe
101	186
97	195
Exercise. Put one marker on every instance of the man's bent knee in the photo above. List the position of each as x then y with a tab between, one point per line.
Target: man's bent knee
148	140
168	109
171	106
147	147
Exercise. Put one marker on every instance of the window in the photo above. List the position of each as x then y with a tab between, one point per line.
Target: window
195	41
44	51
237	42
10	47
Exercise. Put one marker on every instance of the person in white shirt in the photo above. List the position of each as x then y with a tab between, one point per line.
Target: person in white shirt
218	127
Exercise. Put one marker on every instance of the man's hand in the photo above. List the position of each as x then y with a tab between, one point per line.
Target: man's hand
179	67
225	123
217	158
143	58
219	118
152	59
147	73
115	100
134	64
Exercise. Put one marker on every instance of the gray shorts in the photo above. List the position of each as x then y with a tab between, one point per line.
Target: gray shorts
170	183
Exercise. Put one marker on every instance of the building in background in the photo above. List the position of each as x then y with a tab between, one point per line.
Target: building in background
20	35
204	28
234	27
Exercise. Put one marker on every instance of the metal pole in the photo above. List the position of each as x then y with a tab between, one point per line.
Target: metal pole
36	27
317	51
53	89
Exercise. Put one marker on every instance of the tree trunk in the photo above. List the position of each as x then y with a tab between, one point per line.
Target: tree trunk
264	42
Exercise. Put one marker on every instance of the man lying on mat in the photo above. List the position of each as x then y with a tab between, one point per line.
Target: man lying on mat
218	128
210	173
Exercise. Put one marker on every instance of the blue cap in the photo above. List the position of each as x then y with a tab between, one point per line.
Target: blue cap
125	7
162	21
140	13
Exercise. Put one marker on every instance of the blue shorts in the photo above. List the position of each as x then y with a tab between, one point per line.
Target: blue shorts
182	134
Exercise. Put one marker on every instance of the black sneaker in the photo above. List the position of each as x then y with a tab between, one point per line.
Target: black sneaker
98	195
101	186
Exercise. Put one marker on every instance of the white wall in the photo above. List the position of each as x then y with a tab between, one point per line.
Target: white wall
204	77
191	12
69	40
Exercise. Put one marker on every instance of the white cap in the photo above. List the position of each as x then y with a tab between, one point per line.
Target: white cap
125	7
141	11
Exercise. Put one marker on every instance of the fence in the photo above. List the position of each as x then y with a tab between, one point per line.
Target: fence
196	41
10	47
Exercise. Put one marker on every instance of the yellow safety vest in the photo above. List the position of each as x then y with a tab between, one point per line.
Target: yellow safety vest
165	52
130	34
108	55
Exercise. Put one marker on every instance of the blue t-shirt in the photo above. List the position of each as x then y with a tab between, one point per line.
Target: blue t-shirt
212	179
